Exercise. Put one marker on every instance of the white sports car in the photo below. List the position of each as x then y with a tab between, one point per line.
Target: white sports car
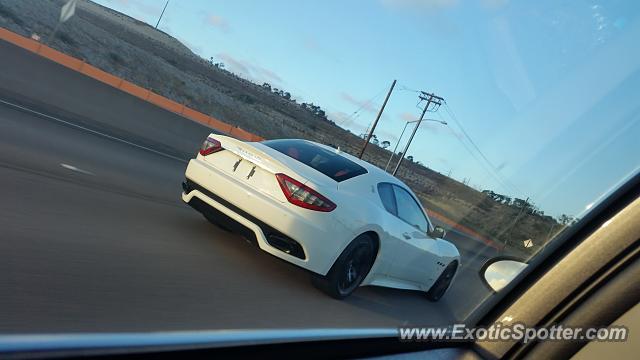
347	221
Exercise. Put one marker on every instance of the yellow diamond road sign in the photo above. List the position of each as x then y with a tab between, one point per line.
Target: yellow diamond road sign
68	10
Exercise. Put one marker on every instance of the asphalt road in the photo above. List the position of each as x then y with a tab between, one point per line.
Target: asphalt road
94	237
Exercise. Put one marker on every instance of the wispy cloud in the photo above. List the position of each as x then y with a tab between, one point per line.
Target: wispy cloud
365	105
311	44
234	65
266	73
442	26
406	116
385	135
341	118
443	160
420	5
251	71
349	122
218	22
494	4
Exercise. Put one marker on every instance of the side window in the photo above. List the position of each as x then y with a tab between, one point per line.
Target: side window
409	210
385	190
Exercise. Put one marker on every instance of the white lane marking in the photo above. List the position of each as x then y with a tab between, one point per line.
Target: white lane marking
73	168
92	131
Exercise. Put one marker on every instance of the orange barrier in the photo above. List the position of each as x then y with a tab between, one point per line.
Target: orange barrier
241	134
224	127
100	75
134	90
196	116
123	85
19	40
165	103
61	58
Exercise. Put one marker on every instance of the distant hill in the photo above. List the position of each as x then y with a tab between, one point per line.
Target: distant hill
153	59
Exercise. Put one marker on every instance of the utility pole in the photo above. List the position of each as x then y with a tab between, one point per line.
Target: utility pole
366	141
162	13
393	153
430	99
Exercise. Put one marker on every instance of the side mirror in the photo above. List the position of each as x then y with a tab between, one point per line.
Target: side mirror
438	232
498	273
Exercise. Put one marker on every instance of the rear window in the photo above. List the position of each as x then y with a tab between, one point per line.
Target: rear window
325	161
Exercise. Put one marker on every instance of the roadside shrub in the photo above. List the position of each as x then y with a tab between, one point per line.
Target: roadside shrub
67	39
246	99
7	13
116	59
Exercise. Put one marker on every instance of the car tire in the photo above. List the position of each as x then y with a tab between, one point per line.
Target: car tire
349	270
439	288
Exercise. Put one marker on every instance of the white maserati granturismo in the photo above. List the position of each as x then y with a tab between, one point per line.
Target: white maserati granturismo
348	222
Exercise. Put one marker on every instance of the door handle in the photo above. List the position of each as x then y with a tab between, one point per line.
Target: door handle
406	235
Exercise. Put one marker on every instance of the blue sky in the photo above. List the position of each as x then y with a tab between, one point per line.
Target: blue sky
547	90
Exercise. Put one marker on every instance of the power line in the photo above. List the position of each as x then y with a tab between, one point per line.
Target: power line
404	88
353	116
448	109
481	163
504	182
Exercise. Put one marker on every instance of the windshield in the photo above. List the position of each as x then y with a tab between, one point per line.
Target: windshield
507	120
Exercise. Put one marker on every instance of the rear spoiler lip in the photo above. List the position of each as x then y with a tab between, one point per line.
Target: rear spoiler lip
257	156
271	164
261	159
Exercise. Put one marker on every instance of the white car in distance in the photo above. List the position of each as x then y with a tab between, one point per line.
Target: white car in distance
348	222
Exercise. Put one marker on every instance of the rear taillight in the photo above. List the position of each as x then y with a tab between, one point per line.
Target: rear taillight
299	194
210	146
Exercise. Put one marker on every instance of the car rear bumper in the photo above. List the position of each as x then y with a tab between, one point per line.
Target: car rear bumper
273	237
303	237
